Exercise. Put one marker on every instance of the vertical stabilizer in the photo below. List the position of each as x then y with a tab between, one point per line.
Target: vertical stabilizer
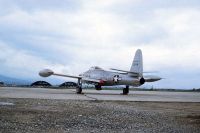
137	65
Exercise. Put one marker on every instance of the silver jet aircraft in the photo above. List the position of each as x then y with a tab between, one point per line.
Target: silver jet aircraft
99	77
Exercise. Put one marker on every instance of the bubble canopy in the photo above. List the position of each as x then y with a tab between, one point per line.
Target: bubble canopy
95	68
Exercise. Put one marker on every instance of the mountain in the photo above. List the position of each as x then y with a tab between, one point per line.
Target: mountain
15	81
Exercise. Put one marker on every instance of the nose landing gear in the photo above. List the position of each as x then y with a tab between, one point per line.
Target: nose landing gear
79	87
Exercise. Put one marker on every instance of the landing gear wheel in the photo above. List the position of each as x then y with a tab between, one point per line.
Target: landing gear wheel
79	87
98	87
79	90
126	90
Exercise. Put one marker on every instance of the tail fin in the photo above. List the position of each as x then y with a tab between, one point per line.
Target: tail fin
137	65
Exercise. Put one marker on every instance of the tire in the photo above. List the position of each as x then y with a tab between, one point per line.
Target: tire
126	90
79	90
98	87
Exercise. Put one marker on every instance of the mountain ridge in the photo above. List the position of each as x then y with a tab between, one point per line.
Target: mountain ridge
12	80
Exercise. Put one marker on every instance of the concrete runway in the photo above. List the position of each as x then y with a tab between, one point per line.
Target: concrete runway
105	95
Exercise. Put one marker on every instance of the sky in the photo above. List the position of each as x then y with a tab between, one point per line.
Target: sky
70	36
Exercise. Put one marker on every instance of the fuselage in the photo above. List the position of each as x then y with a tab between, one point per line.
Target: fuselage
110	78
99	77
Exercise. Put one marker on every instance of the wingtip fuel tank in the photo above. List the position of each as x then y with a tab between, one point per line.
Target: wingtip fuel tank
46	73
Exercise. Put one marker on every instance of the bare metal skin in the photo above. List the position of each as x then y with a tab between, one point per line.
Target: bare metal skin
99	77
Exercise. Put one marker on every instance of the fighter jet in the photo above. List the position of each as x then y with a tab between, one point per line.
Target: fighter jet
100	77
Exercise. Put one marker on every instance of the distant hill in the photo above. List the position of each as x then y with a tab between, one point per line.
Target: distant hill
15	81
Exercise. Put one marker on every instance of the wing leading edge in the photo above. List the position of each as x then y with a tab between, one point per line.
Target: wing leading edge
48	72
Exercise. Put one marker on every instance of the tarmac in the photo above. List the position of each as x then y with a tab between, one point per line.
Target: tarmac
103	95
48	110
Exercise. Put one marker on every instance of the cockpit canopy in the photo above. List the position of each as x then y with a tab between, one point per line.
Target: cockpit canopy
95	68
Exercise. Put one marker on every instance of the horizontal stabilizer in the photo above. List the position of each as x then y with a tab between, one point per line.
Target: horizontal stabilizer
132	73
152	78
152	72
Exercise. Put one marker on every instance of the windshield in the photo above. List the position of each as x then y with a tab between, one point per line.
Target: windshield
95	68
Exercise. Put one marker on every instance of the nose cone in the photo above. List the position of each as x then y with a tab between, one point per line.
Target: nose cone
46	73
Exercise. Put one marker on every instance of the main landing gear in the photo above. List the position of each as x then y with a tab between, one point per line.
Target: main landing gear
98	87
79	90
79	87
126	90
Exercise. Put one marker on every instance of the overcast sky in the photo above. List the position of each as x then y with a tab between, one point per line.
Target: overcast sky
70	36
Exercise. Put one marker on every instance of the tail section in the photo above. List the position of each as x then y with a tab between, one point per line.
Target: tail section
137	65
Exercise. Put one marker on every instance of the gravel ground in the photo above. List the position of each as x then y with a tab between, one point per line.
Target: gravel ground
60	116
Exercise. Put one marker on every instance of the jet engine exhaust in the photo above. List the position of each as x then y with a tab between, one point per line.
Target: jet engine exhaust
142	81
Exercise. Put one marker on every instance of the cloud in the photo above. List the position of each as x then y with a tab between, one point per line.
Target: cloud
70	34
21	63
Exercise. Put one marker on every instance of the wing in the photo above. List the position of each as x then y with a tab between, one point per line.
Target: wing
48	72
69	76
94	80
